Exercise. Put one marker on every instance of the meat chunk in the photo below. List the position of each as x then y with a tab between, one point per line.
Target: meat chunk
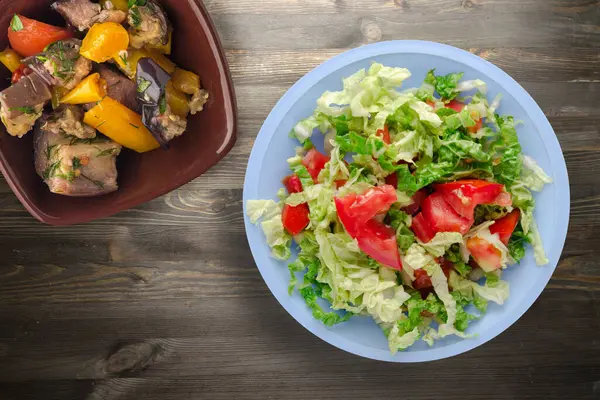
75	167
63	63
119	87
82	14
149	25
19	123
21	104
78	13
30	91
68	120
198	100
171	125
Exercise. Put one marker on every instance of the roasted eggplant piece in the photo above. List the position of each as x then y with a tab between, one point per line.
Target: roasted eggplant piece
62	62
68	120
21	104
157	115
75	167
149	25
119	87
82	14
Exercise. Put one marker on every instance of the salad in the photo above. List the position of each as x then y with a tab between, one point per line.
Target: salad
421	200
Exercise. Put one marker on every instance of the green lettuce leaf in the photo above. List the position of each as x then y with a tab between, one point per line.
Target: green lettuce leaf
355	286
533	176
441	242
446	85
497	294
328	318
277	238
401	223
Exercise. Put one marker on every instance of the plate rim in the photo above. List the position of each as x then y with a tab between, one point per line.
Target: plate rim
509	85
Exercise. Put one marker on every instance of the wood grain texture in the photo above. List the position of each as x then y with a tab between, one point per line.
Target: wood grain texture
165	302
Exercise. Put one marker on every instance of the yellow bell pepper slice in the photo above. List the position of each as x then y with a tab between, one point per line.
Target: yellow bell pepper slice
165	48
89	90
104	41
121	125
10	59
129	64
118	4
186	81
177	100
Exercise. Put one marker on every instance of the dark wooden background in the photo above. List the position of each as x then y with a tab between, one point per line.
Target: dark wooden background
165	302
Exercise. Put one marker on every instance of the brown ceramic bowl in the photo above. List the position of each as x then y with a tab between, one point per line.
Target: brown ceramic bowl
142	177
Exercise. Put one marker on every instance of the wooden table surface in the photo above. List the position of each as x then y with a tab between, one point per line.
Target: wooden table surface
165	302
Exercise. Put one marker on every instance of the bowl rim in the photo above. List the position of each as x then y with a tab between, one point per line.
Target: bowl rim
230	110
509	85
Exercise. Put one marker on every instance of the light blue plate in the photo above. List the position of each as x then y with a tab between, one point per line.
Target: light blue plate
267	167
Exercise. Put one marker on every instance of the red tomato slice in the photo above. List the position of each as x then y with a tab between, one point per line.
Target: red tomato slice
504	199
486	255
19	73
295	218
478	125
342	205
340	183
417	199
442	217
422	280
292	184
379	241
455	105
465	195
430	103
446	265
35	36
505	226
315	161
355	210
384	134
422	229
392	180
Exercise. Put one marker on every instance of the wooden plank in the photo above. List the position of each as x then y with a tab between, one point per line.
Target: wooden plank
477	29
418	8
169	338
270	67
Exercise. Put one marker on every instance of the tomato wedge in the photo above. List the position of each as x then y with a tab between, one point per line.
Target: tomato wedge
463	196
504	199
392	180
442	217
422	280
417	199
422	229
355	210
455	105
339	183
315	161
475	128
379	241
505	226
29	37
384	134
486	255
19	73
295	218
292	183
